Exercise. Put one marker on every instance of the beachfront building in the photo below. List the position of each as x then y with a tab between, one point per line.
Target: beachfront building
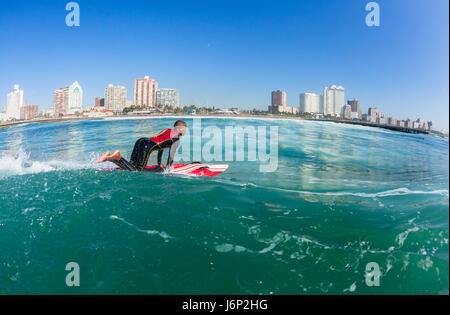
283	110
99	102
311	103
115	98
145	92
14	102
279	98
279	104
168	97
356	108
382	120
28	112
347	112
68	100
400	123
289	110
3	116
421	124
373	114
59	101
334	100
430	125
409	123
392	121
47	113
75	99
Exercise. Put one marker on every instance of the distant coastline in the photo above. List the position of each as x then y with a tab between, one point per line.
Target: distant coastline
270	116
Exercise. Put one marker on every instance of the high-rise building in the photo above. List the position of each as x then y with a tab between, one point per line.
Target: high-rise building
99	102
420	124
409	123
328	107
392	121
278	98
356	107
168	97
68	100
279	104
115	98
145	92
28	112
59	101
382	121
3	116
311	103
75	99
14	102
334	100
430	125
347	112
374	114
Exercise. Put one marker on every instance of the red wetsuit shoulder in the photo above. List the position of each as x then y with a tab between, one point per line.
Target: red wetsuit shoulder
166	134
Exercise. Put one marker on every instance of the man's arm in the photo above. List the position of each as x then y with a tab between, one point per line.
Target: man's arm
160	154
173	150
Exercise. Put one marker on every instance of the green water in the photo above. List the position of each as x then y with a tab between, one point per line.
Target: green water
341	197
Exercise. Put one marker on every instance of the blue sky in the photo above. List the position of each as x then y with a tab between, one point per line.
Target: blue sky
228	53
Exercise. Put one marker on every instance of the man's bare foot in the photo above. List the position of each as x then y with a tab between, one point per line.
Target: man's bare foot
116	156
104	157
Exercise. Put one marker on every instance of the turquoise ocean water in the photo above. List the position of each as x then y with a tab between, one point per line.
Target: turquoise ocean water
342	196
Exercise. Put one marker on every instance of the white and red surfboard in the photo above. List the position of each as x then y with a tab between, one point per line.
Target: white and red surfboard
193	169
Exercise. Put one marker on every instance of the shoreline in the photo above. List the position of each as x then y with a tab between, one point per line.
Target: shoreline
360	123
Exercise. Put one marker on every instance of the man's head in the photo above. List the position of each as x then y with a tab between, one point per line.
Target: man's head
180	126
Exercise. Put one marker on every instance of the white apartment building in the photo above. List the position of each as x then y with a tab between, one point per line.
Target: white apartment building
68	100
334	100
75	99
311	103
14	102
168	97
115	98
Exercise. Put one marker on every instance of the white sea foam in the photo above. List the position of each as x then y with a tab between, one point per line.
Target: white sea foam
20	163
393	192
388	193
163	235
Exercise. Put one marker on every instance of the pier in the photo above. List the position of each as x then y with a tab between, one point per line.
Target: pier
369	124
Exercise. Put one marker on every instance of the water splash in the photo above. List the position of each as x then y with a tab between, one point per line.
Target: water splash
21	163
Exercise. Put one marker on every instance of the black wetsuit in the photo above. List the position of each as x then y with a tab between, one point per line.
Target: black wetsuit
145	146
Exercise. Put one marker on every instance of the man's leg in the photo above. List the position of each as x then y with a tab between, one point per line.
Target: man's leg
117	159
104	157
141	153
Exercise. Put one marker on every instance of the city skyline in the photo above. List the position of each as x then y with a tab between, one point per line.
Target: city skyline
147	94
205	50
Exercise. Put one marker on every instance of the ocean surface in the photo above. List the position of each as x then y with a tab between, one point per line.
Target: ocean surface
341	197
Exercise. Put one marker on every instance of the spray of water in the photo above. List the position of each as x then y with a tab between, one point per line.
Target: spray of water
21	163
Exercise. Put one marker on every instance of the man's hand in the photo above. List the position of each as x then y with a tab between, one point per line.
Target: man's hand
162	166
